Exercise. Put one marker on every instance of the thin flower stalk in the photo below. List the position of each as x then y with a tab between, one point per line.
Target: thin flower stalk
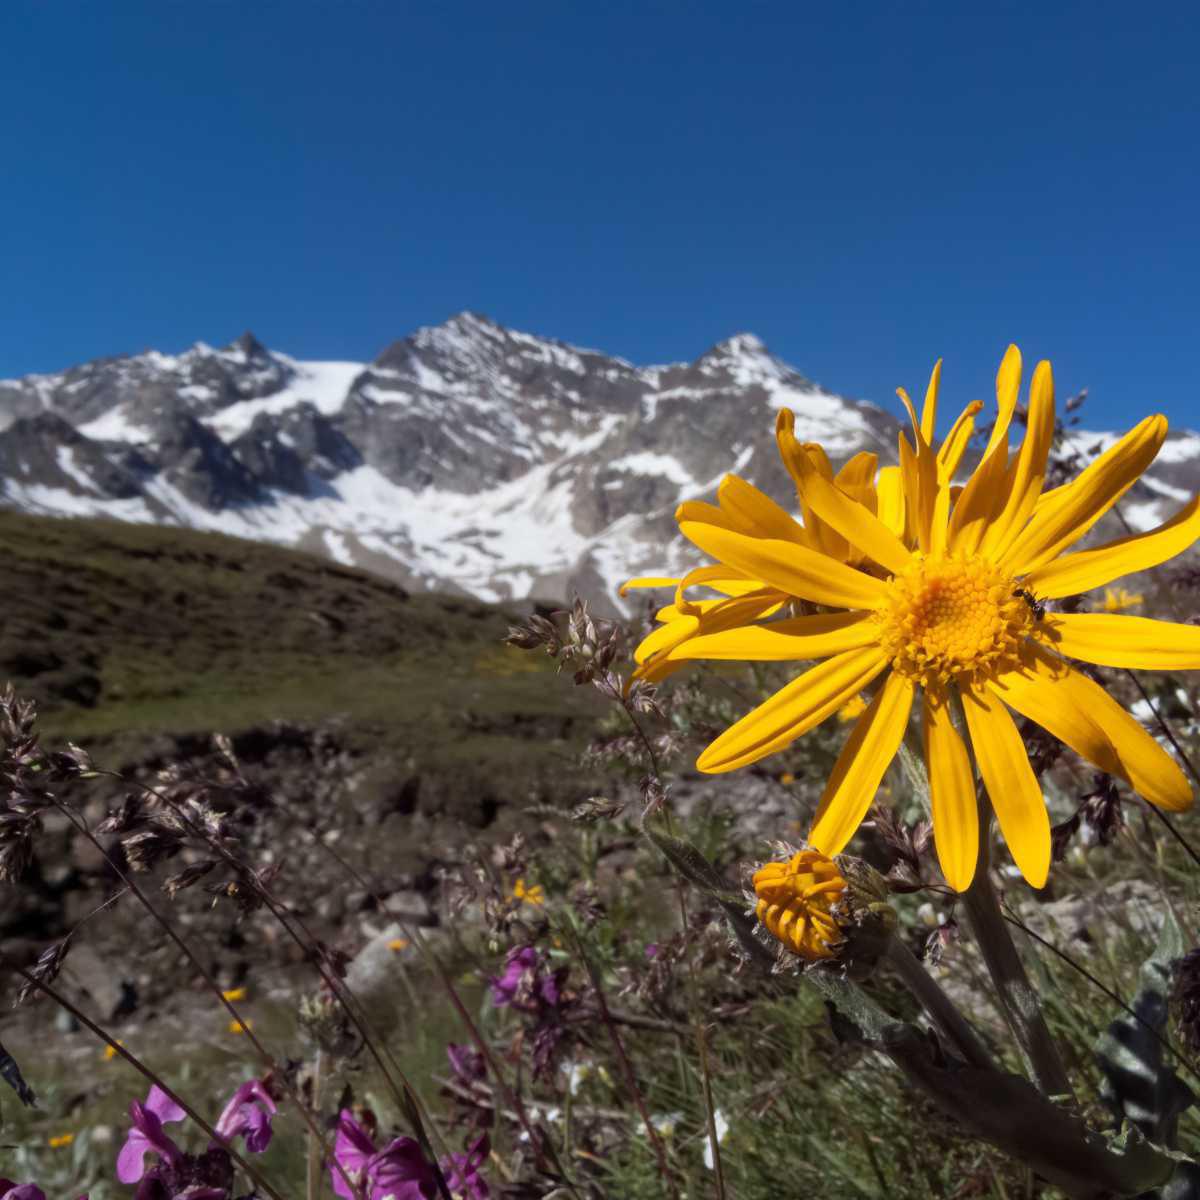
510	1097
660	1151
182	945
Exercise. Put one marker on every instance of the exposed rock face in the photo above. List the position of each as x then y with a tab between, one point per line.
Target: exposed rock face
466	457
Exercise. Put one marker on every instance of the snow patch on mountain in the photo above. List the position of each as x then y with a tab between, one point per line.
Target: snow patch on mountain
325	385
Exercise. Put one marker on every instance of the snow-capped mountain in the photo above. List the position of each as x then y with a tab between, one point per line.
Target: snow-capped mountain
467	457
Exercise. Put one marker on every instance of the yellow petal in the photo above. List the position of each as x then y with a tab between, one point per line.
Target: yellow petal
796	639
946	463
952	449
984	492
648	581
793	710
801	458
756	513
793	569
1085	717
929	411
704	616
919	472
890	491
856	524
1029	467
1087	569
1008	388
1082	503
719	577
711	616
869	749
858	475
919	468
699	510
952	792
1011	784
1117	640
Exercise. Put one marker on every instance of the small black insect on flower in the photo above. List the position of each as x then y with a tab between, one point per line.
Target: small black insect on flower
1036	606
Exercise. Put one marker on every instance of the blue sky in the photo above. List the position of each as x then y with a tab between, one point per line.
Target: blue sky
866	187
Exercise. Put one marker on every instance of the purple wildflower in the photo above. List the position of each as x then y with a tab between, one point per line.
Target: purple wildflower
397	1172
248	1114
147	1136
22	1191
467	1063
462	1171
519	963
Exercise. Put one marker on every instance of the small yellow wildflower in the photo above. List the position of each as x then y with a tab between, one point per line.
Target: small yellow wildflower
60	1140
1119	599
397	944
795	899
240	1026
530	895
110	1051
787	778
854	707
233	995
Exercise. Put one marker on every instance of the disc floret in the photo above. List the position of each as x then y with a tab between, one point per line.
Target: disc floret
953	618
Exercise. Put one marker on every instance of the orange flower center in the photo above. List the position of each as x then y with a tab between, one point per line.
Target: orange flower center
946	618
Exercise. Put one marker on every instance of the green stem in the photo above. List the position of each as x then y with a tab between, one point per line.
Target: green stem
1018	1000
950	1023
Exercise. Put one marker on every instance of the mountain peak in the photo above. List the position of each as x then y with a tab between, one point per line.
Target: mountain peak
742	347
247	347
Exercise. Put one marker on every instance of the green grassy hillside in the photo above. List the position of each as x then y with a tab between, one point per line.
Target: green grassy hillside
124	633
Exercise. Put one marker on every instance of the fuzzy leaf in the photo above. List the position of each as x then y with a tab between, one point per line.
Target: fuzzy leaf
696	869
1140	1086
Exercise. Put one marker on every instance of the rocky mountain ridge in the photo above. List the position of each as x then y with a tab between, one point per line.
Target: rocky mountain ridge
466	457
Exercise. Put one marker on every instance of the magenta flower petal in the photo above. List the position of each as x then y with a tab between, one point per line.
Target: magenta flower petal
401	1171
146	1137
352	1150
162	1106
23	1191
248	1114
462	1171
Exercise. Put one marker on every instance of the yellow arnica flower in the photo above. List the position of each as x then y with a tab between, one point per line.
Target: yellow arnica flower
1119	599
60	1140
233	995
944	607
795	899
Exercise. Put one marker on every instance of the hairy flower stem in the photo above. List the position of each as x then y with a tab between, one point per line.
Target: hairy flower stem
54	994
949	1022
1018	999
